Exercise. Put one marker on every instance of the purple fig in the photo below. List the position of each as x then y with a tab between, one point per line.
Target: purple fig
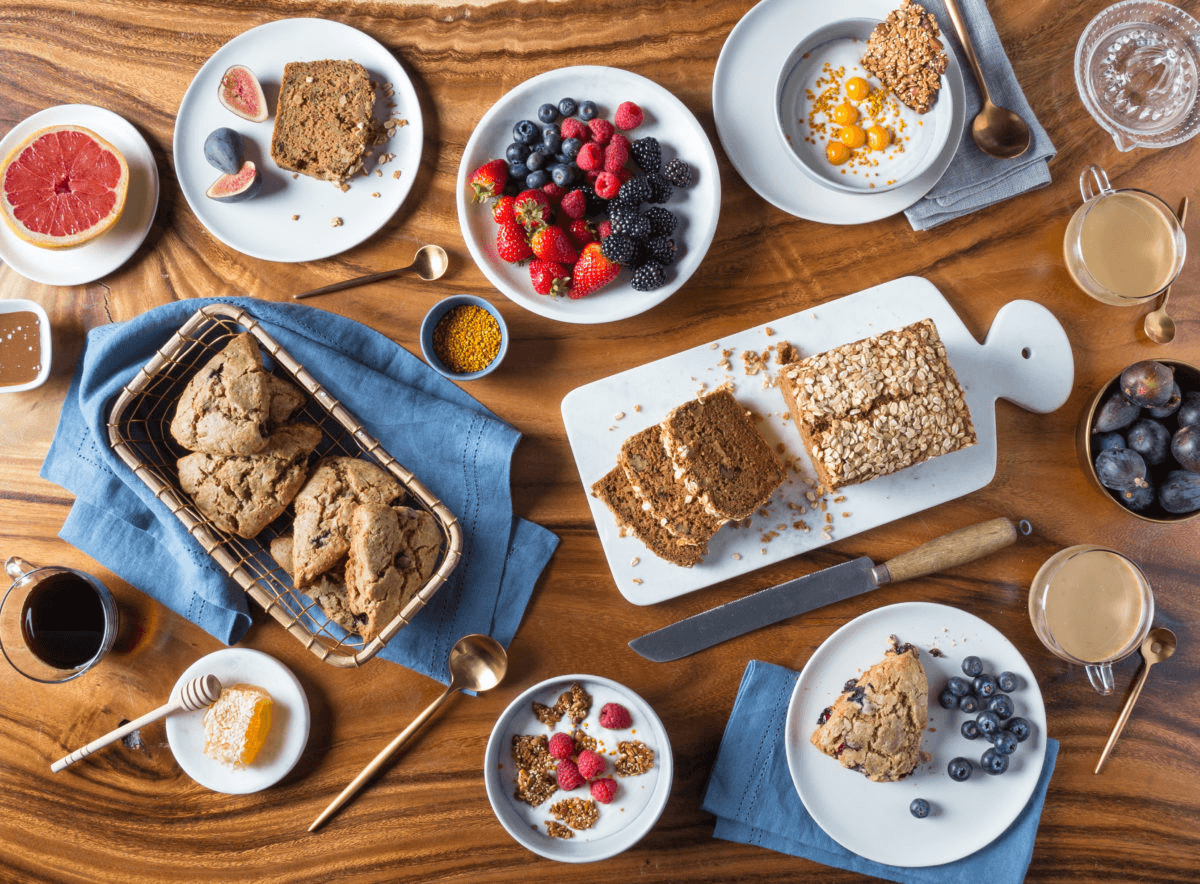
1148	383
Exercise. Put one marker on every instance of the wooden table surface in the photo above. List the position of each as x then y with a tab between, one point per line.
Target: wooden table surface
133	815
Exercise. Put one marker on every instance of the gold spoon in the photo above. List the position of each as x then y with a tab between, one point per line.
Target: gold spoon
1160	327
1158	645
997	130
429	263
477	663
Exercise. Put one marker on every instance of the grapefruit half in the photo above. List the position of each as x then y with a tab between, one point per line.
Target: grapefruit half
62	186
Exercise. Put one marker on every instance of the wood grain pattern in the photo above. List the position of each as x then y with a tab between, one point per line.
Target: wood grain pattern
130	814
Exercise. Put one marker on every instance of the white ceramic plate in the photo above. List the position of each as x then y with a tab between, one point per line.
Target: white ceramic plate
639	802
666	118
262	227
286	740
91	260
873	819
744	109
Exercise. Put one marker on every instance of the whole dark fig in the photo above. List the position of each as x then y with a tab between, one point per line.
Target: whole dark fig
1120	469
223	148
1105	441
1180	493
1169	407
1185	448
1148	383
1188	414
1150	439
1137	498
1115	413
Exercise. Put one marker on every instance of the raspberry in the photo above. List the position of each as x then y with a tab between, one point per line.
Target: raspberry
568	775
572	128
628	116
616	154
608	185
615	717
590	157
604	229
574	204
604	791
554	192
601	130
561	746
590	764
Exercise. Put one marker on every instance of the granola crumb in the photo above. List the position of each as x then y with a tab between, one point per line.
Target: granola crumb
558	830
578	813
335	222
635	758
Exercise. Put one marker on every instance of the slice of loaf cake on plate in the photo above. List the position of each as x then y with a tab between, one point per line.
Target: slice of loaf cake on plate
324	120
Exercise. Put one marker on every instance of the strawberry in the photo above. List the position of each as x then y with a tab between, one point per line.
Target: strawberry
488	180
590	156
502	209
568	775
604	790
550	243
581	232
628	116
615	717
601	130
532	208
573	128
592	271
561	745
511	244
551	278
574	204
590	764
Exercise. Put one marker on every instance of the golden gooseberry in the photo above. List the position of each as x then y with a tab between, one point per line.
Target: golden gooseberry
845	113
837	153
852	136
857	88
878	137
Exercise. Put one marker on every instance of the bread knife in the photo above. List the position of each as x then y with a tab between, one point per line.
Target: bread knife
822	588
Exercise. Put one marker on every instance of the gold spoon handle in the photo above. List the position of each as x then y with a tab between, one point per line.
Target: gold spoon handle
964	39
1120	725
378	761
350	283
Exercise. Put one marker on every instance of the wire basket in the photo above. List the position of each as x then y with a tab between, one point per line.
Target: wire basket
138	429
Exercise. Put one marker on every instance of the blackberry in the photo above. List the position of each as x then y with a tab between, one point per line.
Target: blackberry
618	247
662	221
648	277
647	153
662	250
624	218
678	173
660	188
594	204
636	190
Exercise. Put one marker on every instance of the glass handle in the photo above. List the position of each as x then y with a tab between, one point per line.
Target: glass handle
16	567
1093	181
1101	677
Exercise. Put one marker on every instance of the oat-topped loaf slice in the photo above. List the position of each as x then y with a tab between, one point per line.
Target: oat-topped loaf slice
325	507
618	495
324	120
650	472
876	725
905	53
875	406
243	493
720	457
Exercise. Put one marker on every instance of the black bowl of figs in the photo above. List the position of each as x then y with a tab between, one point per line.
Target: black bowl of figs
1141	440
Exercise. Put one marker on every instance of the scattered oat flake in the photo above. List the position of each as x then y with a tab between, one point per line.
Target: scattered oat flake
335	222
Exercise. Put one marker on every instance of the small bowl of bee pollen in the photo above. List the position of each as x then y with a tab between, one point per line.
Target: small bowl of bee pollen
463	337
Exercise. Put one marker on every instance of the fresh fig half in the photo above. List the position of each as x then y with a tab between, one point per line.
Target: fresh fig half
223	149
241	93
241	185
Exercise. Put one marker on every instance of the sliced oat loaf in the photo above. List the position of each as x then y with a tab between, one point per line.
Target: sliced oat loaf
618	495
650	472
324	121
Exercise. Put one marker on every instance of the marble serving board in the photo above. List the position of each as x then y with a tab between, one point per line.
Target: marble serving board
1025	359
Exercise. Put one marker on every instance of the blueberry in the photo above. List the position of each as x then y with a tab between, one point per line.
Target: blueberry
959	769
526	131
970	729
1188	414
562	174
1005	743
969	704
1019	728
517	171
537	178
535	160
993	762
570	147
1180	493
947	699
972	666
516	152
547	113
1150	439
1001	705
984	685
989	723
1105	441
567	107
587	110
1007	681
958	686
919	808
552	138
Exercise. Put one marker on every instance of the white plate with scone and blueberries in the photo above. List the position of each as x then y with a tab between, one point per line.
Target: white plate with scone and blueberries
932	800
291	216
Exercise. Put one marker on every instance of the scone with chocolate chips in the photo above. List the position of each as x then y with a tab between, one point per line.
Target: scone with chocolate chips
875	726
243	493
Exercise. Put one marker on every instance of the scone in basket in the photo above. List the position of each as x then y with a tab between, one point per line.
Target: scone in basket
138	429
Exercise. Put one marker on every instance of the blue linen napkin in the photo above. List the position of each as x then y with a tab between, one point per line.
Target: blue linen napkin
751	793
457	448
975	180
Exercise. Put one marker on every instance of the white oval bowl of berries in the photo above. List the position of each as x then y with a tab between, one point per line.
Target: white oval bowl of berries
578	768
588	194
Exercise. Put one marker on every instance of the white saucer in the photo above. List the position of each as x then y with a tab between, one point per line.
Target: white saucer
107	252
285	743
744	111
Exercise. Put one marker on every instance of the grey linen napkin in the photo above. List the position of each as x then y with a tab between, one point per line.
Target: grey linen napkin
975	180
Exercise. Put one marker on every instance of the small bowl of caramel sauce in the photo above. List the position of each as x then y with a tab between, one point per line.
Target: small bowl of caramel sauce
24	345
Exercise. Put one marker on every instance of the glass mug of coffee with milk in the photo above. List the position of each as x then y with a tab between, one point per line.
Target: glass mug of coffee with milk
1122	247
55	623
1092	606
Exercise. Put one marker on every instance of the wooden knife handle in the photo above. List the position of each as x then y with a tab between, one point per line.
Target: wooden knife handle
956	548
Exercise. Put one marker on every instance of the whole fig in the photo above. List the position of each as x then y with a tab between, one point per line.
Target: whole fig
1188	414
1148	383
1185	448
1180	493
1115	413
223	148
1150	439
1169	407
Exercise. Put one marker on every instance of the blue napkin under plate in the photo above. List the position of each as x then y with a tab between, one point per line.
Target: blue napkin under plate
975	180
751	793
456	447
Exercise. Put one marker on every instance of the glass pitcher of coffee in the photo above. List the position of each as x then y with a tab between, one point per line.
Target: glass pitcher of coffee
1092	606
55	623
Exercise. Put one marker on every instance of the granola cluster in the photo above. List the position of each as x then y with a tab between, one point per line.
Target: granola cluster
904	52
